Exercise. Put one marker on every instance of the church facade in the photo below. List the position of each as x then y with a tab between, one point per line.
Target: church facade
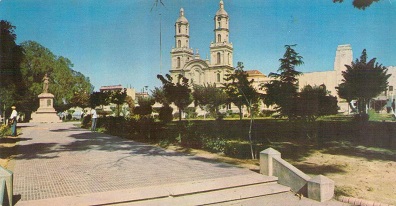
189	64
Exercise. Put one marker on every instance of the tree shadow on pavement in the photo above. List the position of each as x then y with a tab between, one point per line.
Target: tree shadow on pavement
13	140
30	151
98	141
68	129
35	151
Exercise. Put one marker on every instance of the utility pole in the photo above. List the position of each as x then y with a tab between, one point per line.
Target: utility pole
160	44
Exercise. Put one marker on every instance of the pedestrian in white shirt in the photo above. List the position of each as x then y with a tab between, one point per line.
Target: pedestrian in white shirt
94	118
13	121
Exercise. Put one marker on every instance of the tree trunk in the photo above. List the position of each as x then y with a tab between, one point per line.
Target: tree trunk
250	135
180	115
240	112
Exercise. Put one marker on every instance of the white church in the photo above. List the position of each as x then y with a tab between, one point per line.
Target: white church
189	64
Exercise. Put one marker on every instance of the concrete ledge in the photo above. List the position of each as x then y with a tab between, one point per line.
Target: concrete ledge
291	176
319	188
6	189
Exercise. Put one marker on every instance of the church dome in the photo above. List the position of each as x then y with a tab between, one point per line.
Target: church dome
221	11
182	18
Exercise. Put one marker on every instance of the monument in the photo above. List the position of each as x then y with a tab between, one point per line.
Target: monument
46	112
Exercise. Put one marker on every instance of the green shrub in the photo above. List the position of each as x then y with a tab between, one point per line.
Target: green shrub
214	144
361	117
241	149
86	122
267	113
5	130
165	114
190	111
237	149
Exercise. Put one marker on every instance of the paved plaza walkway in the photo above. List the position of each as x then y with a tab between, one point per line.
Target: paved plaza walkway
59	162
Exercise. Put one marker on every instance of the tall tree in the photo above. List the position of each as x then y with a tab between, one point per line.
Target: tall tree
99	99
239	89
82	88
145	107
363	81
346	92
131	105
209	97
159	95
165	112
360	4
179	93
12	88
241	92
313	102
118	98
284	88
70	88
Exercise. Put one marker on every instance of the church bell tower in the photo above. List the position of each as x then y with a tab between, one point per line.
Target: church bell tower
181	53
221	50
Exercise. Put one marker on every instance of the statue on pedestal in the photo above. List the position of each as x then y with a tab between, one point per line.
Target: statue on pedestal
46	83
45	112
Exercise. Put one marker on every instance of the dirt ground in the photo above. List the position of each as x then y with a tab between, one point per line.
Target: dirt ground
363	173
7	150
359	177
368	174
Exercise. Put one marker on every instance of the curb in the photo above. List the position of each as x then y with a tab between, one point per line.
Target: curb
356	201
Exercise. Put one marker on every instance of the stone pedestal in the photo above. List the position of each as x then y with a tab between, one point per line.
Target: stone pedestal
266	165
46	112
320	188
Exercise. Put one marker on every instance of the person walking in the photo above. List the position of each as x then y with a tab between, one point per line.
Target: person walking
94	118
13	121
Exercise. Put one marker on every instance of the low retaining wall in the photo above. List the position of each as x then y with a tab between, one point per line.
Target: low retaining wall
319	188
6	191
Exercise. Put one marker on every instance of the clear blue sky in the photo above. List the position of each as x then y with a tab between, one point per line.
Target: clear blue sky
117	42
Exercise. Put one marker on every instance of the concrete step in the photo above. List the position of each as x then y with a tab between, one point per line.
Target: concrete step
197	192
216	196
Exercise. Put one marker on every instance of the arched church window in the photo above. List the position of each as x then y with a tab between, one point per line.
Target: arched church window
179	28
186	43
218	58
178	62
219	38
218	25
218	77
178	43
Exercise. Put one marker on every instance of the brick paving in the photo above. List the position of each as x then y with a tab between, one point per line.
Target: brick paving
58	160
